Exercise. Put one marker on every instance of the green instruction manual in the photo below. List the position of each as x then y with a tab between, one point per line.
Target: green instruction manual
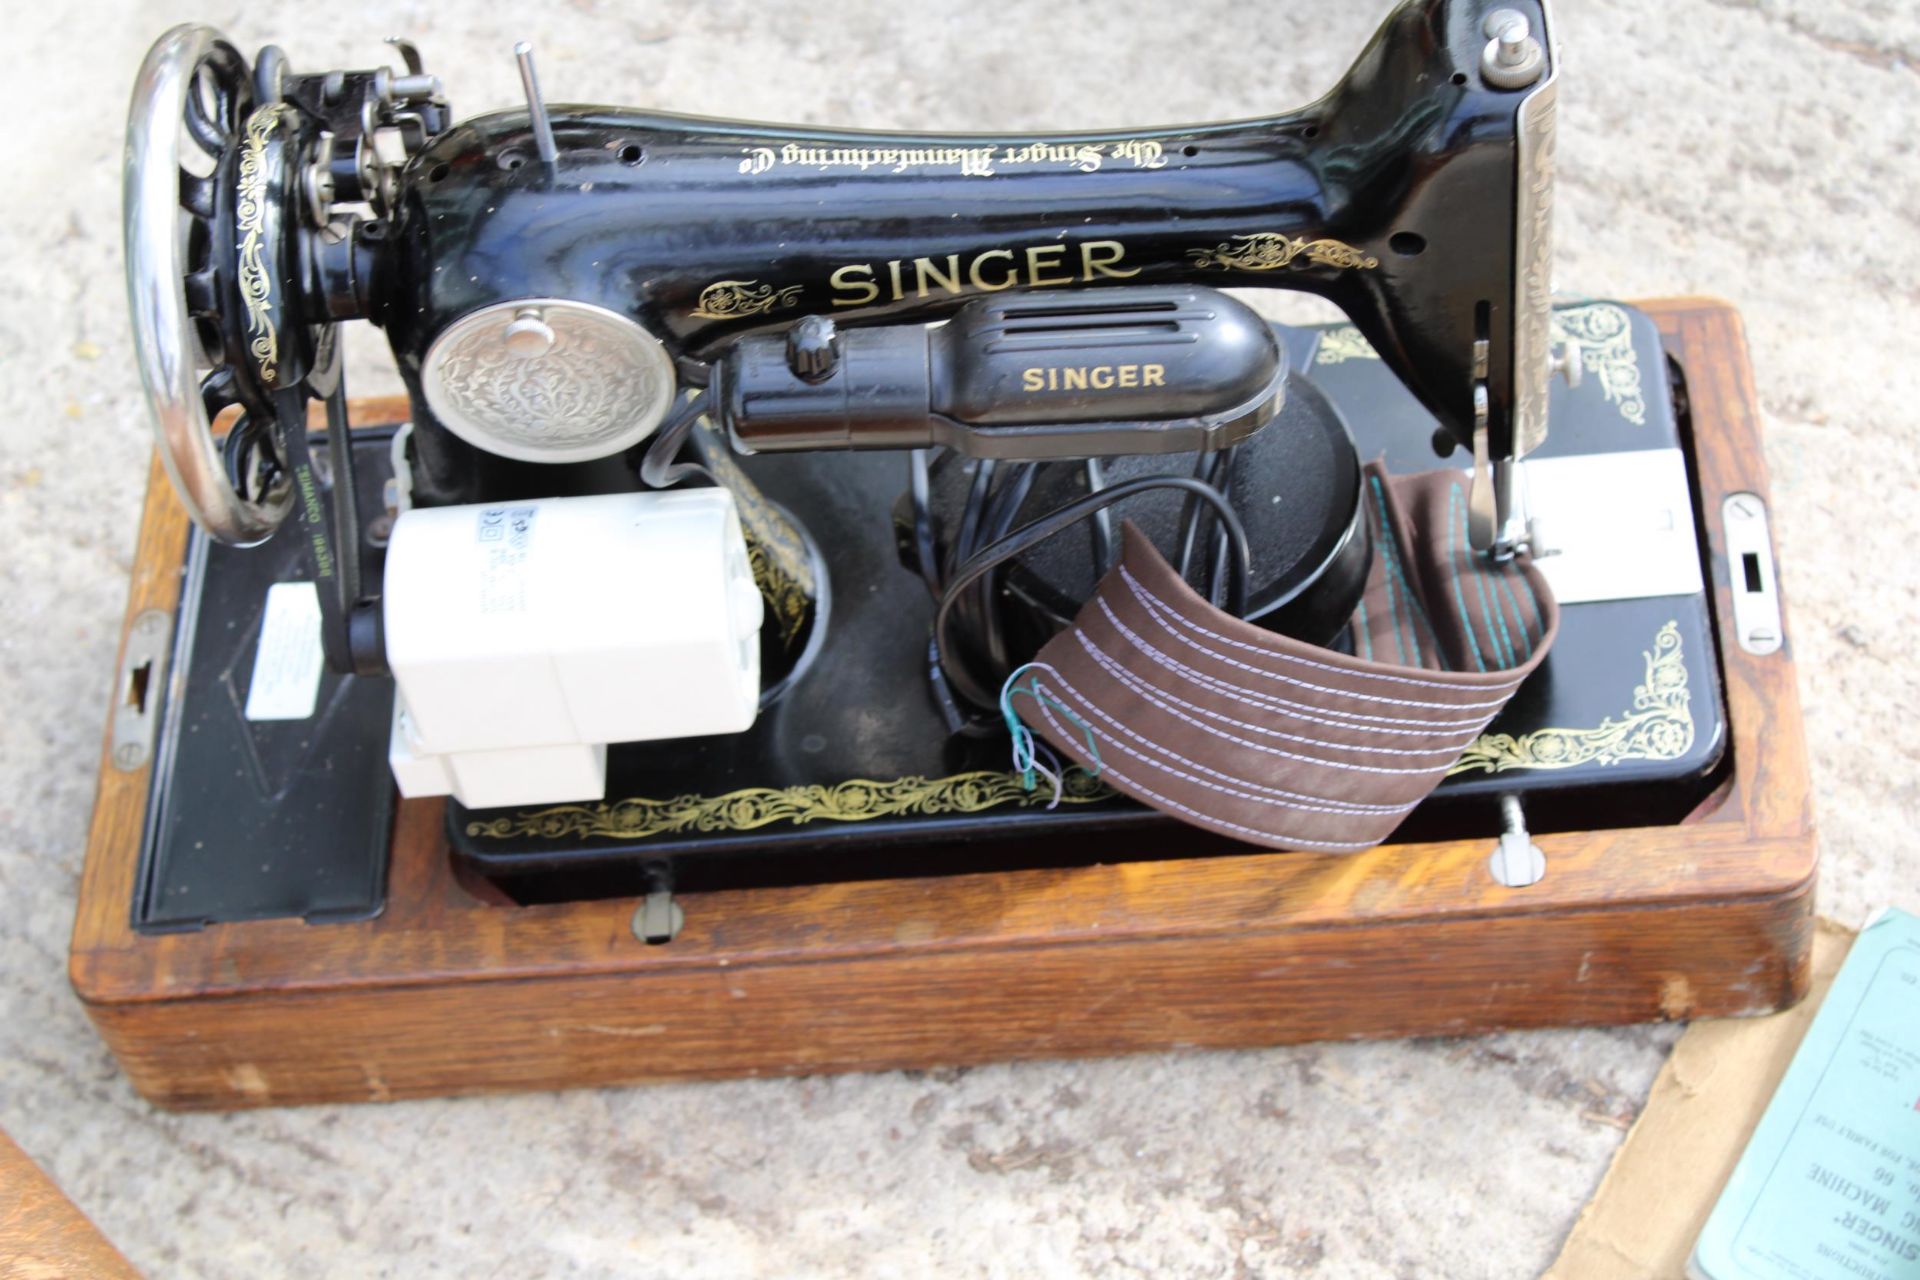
1829	1185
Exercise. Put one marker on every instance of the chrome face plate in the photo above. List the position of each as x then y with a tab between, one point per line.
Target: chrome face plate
548	380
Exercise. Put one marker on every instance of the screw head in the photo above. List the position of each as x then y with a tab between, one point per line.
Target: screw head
1569	362
528	335
1513	59
1517	862
813	348
1494	23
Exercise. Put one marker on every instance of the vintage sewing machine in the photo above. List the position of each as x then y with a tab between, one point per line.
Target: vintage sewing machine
742	466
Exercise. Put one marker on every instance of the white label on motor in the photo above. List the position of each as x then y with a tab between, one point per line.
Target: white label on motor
504	534
288	664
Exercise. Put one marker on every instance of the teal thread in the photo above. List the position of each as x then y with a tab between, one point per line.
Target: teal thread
1393	610
1426	624
1502	654
1025	750
1415	609
1453	558
1503	581
1366	639
1395	574
1539	618
1490	601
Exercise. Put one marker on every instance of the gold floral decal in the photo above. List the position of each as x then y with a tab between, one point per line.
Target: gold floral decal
731	299
1660	726
1341	344
781	566
787	600
857	800
255	287
1600	329
1605	338
1269	251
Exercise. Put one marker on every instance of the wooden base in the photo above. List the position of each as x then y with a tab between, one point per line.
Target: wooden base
450	993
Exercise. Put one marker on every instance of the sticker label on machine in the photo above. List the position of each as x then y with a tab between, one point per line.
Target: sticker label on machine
289	662
505	535
1618	526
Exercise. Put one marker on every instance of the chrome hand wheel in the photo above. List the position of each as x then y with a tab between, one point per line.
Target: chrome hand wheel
191	105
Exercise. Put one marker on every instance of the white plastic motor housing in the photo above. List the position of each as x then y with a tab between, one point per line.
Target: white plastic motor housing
525	636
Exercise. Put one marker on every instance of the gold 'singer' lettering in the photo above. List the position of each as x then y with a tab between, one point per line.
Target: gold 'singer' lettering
858	284
1096	377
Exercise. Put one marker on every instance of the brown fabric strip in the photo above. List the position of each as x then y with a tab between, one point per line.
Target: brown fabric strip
1234	729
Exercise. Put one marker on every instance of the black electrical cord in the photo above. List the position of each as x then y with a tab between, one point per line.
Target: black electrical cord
1023	539
1206	468
657	468
1217	566
971	515
1102	520
1003	505
1007	499
926	555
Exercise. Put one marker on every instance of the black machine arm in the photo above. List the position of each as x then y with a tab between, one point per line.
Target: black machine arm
641	251
1414	195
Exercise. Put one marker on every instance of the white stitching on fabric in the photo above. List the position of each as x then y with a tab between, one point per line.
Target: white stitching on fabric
1149	599
1251	746
1203	678
1208	820
1350	807
1153	695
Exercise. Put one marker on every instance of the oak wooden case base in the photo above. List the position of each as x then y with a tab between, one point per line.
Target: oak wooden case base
447	992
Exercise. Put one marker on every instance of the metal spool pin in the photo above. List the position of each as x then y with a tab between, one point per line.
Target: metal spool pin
536	106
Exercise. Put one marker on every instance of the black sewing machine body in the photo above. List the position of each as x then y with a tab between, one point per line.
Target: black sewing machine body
1392	197
1415	196
855	776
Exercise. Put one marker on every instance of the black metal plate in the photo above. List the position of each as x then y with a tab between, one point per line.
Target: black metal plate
252	820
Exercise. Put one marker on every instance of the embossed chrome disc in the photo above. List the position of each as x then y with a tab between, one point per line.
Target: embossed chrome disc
548	380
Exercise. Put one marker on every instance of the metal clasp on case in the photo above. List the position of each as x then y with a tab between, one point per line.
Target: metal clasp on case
143	680
1752	579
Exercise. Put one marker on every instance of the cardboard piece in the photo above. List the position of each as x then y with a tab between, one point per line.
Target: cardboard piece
1663	1182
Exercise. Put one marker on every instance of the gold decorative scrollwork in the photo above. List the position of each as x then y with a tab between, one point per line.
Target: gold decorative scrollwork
1270	250
731	299
1660	726
1342	343
1605	338
782	568
787	600
1601	330
250	219
856	800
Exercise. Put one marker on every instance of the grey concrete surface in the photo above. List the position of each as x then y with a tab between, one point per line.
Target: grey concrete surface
1758	151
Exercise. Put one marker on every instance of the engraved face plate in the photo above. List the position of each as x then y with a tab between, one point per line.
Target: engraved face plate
590	384
1533	254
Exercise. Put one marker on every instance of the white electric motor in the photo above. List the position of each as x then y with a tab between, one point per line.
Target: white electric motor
524	637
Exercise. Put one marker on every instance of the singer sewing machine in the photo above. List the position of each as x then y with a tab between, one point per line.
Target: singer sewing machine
632	699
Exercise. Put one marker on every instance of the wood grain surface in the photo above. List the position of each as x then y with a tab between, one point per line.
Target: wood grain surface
42	1235
447	993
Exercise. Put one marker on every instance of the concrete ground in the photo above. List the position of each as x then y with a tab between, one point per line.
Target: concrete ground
1759	151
